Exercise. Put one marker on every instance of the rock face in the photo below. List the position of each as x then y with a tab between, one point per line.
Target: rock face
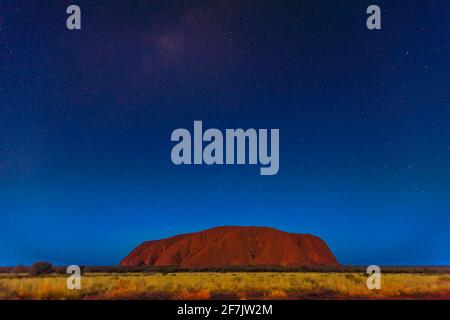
234	246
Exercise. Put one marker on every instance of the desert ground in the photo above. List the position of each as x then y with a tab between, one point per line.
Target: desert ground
226	285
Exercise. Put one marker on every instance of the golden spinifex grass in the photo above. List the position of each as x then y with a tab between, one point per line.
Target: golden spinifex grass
270	285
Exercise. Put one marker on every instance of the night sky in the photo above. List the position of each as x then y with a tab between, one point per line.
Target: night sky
86	118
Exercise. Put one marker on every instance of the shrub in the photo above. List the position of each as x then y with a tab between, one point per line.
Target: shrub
40	268
20	269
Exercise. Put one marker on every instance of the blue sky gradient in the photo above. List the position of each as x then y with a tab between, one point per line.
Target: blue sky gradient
86	118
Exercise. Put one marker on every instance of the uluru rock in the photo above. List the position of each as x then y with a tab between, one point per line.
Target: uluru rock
234	246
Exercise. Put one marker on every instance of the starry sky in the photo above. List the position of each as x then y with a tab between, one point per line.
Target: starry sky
86	118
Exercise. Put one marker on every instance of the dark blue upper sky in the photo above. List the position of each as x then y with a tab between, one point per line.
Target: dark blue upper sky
86	118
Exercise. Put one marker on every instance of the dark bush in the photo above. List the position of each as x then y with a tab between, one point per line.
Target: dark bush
40	268
20	269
